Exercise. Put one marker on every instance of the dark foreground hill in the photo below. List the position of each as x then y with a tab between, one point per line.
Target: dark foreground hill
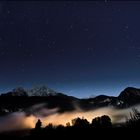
64	134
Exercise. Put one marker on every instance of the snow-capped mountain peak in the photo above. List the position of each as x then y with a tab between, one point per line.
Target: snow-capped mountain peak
41	91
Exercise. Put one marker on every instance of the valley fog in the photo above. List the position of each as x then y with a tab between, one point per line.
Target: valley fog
19	120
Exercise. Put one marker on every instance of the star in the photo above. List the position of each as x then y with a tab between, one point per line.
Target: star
86	29
47	21
8	12
119	10
11	22
90	49
22	67
44	36
2	53
53	42
31	55
22	64
127	36
106	2
125	28
19	45
49	46
62	50
64	4
132	47
23	70
71	26
41	39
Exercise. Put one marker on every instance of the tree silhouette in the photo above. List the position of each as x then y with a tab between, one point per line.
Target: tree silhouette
106	121
38	125
101	122
81	123
49	126
68	124
96	122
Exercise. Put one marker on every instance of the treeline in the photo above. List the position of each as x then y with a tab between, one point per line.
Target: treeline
81	126
98	122
77	127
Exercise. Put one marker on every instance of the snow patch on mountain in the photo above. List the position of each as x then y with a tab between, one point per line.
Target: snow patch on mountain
41	91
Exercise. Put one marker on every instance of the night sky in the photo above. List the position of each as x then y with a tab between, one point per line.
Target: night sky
78	48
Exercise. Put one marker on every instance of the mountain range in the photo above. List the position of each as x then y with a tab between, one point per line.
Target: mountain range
21	99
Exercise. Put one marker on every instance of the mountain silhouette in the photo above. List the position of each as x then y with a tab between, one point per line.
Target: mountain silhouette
21	99
130	96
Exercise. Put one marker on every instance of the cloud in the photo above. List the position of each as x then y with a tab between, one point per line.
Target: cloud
16	121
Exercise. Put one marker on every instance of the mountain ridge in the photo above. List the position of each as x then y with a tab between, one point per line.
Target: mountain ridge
20	99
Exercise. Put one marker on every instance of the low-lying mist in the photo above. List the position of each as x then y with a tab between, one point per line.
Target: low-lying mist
19	120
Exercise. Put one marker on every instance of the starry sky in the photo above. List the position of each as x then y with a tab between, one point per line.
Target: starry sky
82	49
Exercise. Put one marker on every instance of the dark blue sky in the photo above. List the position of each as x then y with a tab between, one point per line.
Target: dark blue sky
79	48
